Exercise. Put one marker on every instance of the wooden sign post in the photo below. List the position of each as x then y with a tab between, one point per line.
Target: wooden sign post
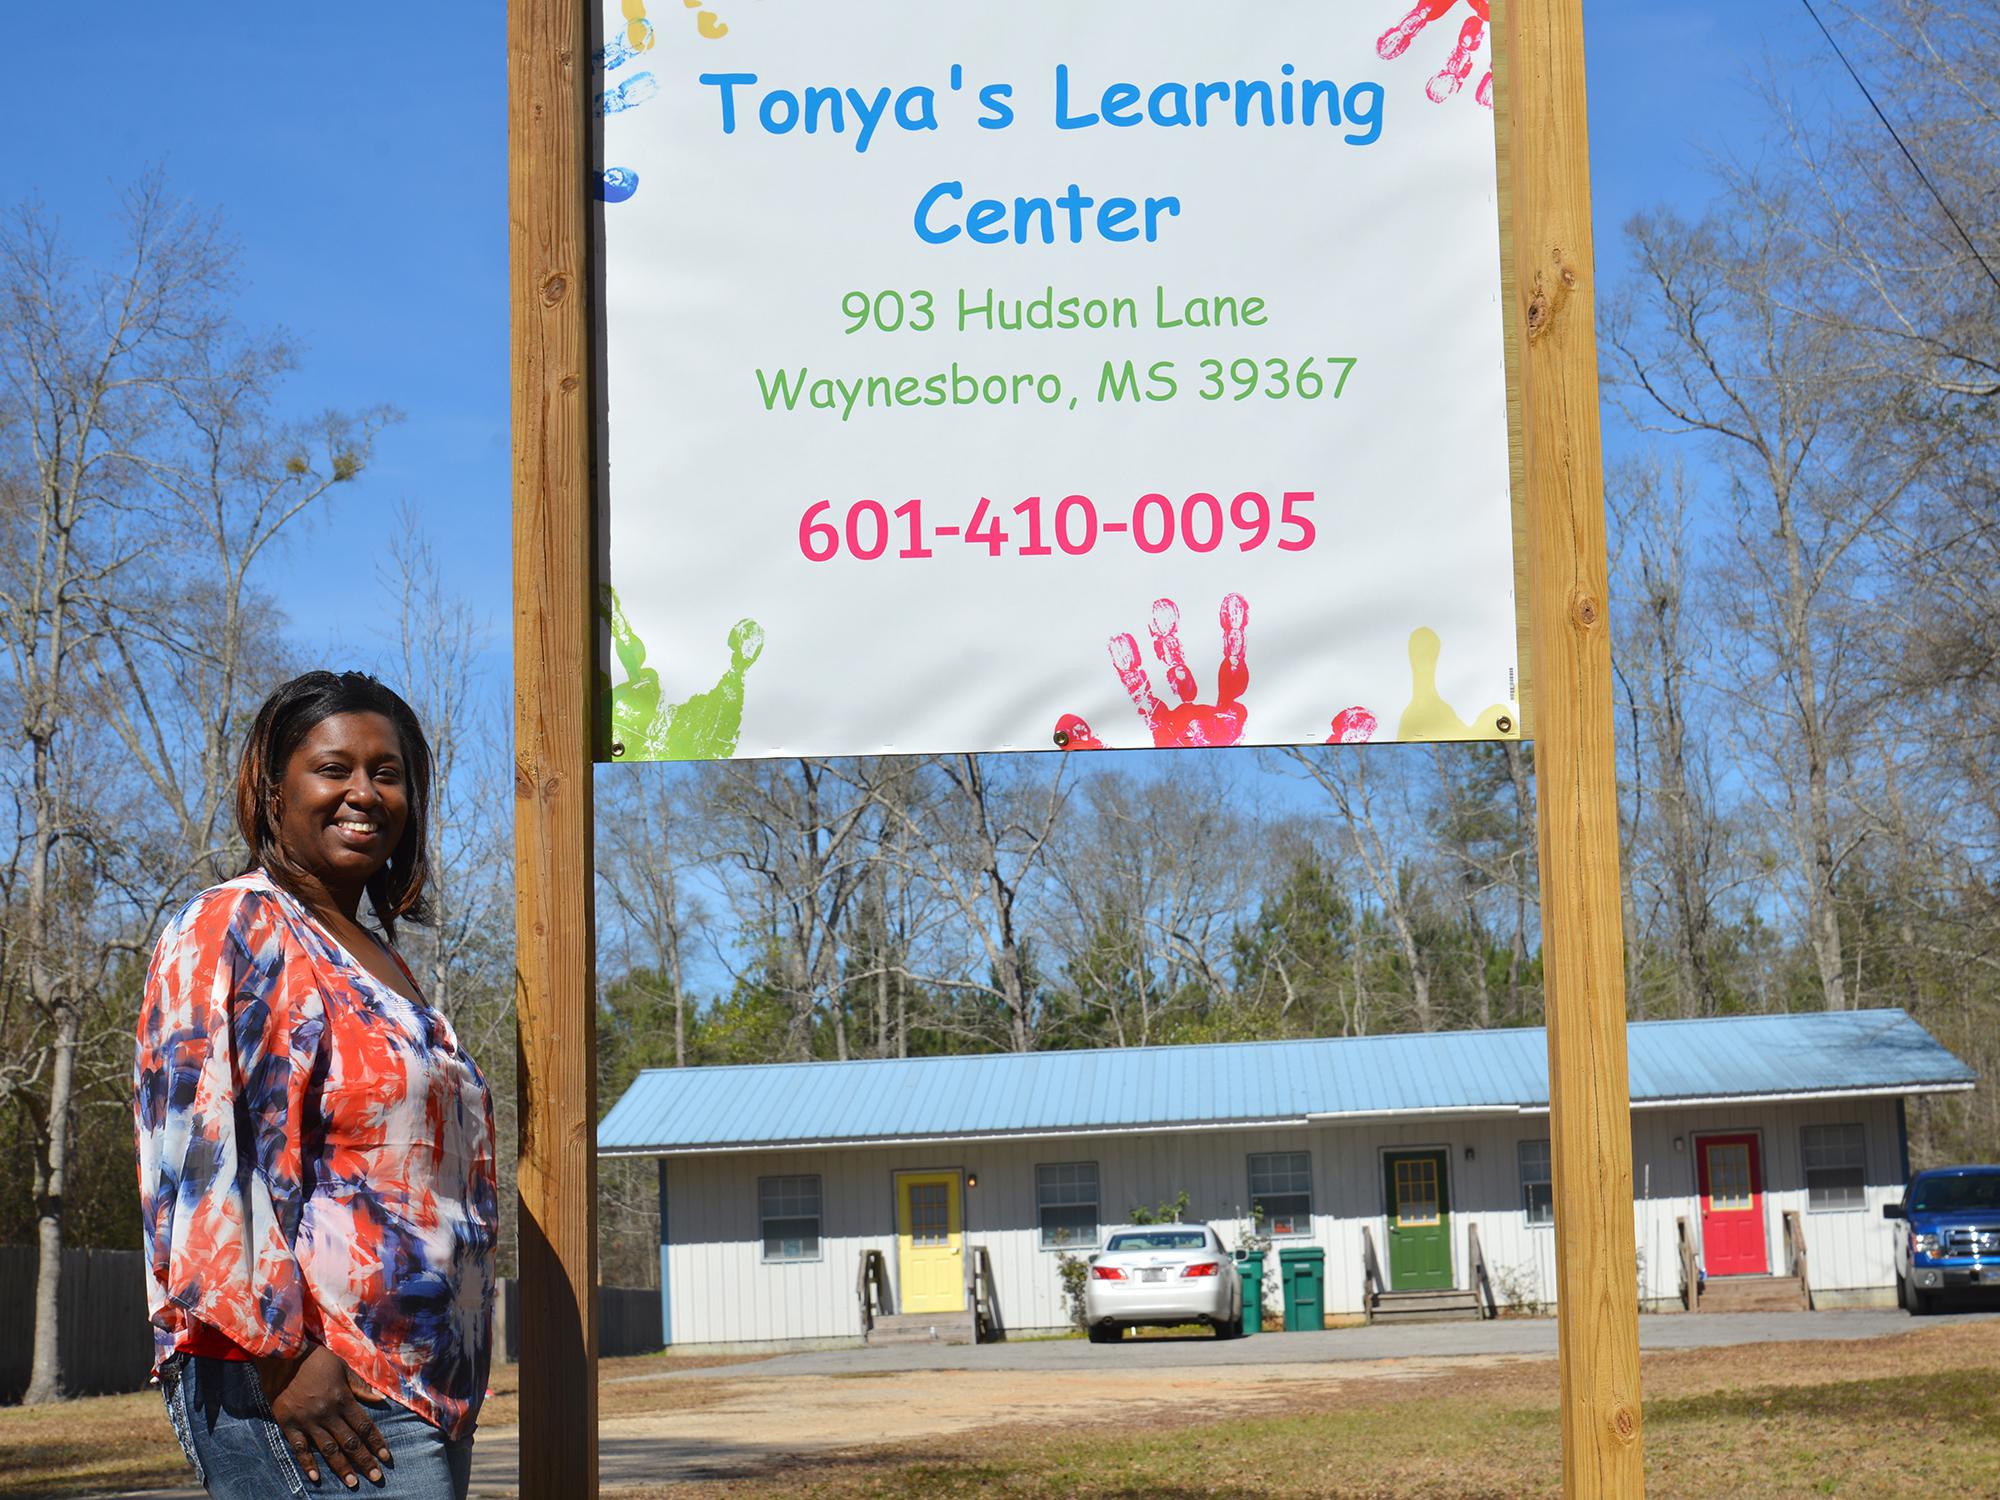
1539	74
549	299
1540	90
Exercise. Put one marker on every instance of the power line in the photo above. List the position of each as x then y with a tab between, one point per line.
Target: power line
1922	176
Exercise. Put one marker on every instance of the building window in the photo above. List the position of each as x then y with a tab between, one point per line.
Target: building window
1418	1204
1066	1203
788	1211
1834	1163
1537	1182
1281	1192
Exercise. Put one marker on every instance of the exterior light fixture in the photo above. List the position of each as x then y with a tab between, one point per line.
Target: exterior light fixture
972	1179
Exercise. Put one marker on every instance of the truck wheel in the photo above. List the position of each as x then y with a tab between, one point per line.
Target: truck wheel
1922	1304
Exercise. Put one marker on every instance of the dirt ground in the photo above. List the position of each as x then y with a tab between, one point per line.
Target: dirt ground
1748	1421
744	1426
758	1429
1914	1414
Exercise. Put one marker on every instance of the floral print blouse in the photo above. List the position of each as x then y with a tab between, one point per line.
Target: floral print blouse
315	1157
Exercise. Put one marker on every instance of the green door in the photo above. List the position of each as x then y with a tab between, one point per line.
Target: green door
1419	1221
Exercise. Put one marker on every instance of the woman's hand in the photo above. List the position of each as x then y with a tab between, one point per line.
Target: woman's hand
312	1401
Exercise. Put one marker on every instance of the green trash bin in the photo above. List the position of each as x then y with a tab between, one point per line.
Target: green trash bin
1302	1268
1250	1271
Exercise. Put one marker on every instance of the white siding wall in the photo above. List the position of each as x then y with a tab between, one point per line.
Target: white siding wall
723	1293
1847	1250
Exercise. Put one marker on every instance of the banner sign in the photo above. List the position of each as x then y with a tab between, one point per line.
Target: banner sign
1082	375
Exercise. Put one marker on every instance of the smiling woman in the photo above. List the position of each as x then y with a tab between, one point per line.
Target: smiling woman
315	1149
332	797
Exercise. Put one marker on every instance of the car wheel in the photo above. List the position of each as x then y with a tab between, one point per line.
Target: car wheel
1229	1330
1104	1333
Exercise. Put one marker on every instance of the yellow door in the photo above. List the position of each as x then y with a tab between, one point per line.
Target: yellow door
930	1242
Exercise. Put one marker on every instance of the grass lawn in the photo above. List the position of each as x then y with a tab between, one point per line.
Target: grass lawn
1913	1415
1916	1414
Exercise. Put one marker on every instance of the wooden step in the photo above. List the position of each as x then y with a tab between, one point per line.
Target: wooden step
1752	1294
1442	1306
923	1328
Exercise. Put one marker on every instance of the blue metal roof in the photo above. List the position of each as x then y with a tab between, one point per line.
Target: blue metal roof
673	1110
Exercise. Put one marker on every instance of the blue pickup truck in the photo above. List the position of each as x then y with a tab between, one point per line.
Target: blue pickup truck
1952	1239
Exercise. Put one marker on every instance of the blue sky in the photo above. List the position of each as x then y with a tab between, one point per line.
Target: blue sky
357	152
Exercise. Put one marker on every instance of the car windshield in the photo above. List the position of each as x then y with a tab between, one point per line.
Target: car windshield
1943	1195
1159	1239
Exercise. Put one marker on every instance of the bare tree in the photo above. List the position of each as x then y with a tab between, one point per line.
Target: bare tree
1380	850
1482	826
978	837
1913	236
1676	846
1523	878
1153	877
901	962
434	654
796	834
1715	346
143	478
89	367
185	650
1903	208
435	659
644	840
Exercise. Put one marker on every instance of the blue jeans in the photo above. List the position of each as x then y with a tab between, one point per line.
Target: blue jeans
225	1429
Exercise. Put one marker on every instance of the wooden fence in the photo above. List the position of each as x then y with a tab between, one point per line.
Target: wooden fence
628	1321
107	1345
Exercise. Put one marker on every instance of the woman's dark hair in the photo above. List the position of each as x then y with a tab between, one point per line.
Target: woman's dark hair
287	717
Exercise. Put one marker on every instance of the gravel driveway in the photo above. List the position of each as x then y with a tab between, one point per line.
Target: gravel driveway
1533	1337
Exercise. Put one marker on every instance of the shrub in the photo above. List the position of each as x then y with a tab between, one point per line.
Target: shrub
1165	1213
1519	1289
1075	1271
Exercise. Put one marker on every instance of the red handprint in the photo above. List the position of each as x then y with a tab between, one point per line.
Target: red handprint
1073	734
1190	723
1458	66
1352	726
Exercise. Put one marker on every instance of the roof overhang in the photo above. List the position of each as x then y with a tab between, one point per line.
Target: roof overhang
1453	1112
1282	1122
1800	1096
937	1138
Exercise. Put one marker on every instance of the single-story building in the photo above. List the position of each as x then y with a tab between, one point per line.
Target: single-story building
962	1181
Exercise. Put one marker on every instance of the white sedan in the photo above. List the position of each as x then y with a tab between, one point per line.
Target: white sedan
1161	1275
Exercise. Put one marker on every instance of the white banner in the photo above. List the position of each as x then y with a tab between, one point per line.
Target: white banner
989	377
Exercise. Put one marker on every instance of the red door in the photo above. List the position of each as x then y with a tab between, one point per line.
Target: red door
1732	1205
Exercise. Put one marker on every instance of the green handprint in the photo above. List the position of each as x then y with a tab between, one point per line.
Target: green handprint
646	727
